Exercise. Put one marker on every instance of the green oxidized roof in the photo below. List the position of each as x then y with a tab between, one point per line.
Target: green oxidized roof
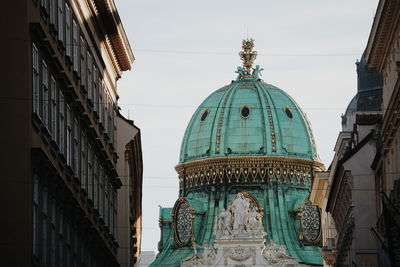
267	131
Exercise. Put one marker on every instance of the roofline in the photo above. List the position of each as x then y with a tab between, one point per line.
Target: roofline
130	122
339	167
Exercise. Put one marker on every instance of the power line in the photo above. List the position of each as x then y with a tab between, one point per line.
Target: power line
188	106
196	52
260	53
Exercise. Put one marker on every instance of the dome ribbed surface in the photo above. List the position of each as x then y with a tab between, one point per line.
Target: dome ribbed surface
274	126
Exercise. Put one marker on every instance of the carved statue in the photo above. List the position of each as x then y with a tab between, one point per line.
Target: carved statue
240	220
239	240
253	223
241	72
257	71
275	253
207	257
224	222
208	254
240	207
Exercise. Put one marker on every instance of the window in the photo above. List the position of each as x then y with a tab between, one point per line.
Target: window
245	111
60	238
35	79
114	114
95	87
35	239
68	249
89	76
52	233
69	136
68	30
90	172
105	114
288	112
96	182
44	226
43	3
83	160
101	105
106	201
60	20
204	115
75	44
76	147
61	119
53	108
114	212
110	207
52	12
83	61
101	191
109	118
45	88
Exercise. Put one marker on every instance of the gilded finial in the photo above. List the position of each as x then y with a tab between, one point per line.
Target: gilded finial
247	55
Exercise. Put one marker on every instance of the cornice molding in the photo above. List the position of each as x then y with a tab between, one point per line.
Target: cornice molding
279	159
247	170
382	33
115	33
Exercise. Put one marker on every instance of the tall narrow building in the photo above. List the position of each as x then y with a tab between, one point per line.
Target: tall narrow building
58	178
247	162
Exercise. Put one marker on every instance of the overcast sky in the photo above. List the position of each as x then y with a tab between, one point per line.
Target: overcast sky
185	50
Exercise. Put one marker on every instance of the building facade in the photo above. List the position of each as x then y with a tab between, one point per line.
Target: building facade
247	160
59	178
383	53
130	171
346	191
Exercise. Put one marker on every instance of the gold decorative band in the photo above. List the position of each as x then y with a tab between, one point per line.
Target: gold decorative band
246	169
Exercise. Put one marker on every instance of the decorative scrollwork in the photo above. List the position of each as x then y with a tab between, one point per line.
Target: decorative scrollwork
310	222
183	222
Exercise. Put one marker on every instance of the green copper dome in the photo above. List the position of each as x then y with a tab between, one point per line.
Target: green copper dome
248	137
248	118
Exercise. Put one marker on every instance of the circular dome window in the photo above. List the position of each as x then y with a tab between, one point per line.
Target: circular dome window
204	115
288	112
245	111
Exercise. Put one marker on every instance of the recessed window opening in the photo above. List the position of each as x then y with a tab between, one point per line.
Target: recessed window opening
204	115
245	111
288	112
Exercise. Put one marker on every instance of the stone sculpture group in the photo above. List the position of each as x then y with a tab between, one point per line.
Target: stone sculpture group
239	240
241	219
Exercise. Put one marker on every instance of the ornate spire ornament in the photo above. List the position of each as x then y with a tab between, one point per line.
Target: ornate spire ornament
248	55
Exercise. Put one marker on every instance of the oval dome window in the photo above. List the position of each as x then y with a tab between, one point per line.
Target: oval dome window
204	115
245	111
288	112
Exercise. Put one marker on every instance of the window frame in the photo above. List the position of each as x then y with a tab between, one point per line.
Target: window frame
35	80
60	20
75	41
61	120
53	108
68	30
45	93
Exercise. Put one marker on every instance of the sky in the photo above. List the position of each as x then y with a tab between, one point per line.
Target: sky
185	50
